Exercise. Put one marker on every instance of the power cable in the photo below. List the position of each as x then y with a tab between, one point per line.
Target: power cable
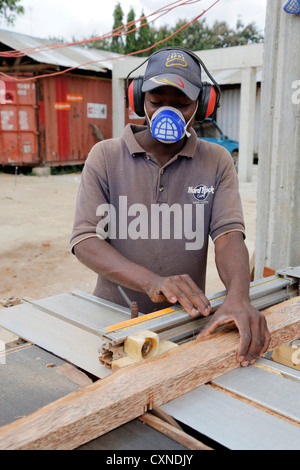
24	79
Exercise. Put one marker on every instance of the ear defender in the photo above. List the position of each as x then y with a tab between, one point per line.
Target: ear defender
209	98
207	102
136	96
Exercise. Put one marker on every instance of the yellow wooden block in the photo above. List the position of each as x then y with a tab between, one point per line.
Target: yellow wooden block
288	355
124	361
142	345
166	346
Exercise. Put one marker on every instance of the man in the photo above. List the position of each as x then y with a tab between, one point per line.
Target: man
148	202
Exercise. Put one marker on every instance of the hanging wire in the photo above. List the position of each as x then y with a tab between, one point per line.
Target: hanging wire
122	30
117	32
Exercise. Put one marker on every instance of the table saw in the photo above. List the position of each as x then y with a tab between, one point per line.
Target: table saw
246	408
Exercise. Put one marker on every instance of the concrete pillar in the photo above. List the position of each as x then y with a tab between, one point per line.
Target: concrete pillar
118	106
247	124
121	68
278	197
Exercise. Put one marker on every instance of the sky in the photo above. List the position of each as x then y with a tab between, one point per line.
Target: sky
68	19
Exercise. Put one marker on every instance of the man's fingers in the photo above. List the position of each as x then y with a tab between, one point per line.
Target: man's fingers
254	335
197	297
254	339
190	296
167	294
213	324
182	289
267	337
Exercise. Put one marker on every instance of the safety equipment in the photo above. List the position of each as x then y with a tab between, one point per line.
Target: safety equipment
208	99
168	124
292	6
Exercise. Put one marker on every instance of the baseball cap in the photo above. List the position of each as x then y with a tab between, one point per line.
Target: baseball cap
174	68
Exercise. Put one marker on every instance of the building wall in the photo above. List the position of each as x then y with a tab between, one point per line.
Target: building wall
228	115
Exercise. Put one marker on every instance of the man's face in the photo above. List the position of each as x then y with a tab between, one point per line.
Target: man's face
169	96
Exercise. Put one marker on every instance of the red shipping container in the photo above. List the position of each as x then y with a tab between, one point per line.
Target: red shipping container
18	123
74	113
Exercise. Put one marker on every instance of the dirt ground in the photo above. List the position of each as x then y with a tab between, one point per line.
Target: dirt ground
36	217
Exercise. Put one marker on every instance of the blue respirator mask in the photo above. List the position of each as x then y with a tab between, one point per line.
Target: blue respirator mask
168	124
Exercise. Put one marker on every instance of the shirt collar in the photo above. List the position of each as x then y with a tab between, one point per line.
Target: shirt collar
135	149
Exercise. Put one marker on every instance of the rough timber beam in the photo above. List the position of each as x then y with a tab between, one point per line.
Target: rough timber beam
108	403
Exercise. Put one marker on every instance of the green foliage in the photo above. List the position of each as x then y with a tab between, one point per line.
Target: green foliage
195	37
9	9
117	44
130	38
144	36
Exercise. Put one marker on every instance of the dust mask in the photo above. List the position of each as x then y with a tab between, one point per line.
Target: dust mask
168	124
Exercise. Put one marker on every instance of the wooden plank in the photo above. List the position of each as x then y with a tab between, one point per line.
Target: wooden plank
178	435
127	394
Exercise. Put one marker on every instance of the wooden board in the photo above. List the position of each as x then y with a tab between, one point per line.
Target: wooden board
127	394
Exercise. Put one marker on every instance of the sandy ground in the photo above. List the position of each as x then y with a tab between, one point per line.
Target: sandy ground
36	217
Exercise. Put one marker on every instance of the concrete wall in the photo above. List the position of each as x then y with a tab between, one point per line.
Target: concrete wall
278	207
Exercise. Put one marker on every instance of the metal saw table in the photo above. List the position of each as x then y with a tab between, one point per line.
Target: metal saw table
257	407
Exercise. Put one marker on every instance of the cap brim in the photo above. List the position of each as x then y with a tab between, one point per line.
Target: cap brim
190	90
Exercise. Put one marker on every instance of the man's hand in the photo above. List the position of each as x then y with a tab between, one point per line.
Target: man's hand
182	289
252	326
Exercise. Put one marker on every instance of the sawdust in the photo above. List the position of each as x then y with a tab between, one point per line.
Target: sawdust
36	218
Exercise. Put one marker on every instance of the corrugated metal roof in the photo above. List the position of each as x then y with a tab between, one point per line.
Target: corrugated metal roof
68	56
230	76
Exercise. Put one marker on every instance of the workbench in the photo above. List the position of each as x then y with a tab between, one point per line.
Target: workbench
251	408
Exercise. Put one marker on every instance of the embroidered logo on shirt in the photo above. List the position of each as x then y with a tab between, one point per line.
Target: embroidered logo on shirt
201	192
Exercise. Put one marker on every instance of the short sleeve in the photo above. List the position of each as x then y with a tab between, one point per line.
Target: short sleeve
227	213
92	192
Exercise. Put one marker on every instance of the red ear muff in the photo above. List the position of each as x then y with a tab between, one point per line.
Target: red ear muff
135	96
130	96
208	102
212	99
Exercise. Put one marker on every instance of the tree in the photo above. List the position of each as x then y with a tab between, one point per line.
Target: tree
248	34
144	35
196	36
130	39
117	44
9	9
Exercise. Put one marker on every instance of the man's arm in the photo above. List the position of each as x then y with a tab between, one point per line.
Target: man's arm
106	261
232	262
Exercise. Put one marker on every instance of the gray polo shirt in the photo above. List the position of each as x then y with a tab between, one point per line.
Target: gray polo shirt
157	216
